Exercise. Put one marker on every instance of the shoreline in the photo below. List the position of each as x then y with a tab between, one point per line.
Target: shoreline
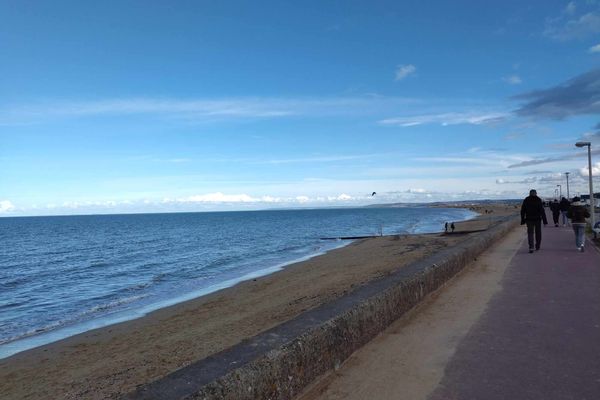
169	338
17	346
43	337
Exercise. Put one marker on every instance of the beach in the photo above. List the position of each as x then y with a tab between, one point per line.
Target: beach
110	361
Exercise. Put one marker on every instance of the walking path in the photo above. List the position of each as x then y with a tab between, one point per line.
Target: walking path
513	326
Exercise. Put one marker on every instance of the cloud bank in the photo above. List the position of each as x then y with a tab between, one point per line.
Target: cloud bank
546	160
577	96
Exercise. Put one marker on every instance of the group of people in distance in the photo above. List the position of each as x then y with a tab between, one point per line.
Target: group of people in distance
533	214
560	209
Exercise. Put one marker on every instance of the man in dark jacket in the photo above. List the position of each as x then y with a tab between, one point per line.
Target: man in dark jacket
532	214
555	208
564	207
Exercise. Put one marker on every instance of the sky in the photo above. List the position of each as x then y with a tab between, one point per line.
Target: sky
162	106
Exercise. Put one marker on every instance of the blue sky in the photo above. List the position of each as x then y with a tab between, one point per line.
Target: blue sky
185	106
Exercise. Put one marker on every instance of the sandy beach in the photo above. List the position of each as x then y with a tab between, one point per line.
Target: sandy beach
110	361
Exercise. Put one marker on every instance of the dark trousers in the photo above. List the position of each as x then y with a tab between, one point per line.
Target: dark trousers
555	216
534	227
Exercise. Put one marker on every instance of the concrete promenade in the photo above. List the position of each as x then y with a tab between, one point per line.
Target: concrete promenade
538	337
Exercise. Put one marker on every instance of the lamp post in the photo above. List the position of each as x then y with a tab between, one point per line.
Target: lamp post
559	190
567	174
592	200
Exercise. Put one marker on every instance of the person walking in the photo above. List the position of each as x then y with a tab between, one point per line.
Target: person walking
564	208
578	212
555	207
532	214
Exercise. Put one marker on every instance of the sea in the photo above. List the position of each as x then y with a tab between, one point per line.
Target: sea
65	275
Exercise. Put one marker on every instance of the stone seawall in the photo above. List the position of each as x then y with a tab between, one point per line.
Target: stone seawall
280	362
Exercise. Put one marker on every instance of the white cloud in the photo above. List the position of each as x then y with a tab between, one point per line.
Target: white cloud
6	206
270	199
201	107
571	8
343	197
584	172
513	135
330	158
179	160
501	181
444	119
402	71
575	28
595	49
416	190
552	177
218	197
459	160
194	110
513	79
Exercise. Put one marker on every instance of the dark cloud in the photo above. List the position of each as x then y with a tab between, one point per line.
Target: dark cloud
537	172
577	96
552	178
593	137
546	160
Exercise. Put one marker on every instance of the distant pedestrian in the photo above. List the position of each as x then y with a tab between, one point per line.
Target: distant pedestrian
446	227
555	207
578	212
564	207
452	226
532	214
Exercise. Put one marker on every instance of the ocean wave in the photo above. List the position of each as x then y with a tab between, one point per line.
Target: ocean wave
101	308
112	304
32	332
14	282
98	263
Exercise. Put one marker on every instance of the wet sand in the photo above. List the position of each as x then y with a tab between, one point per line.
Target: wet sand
110	361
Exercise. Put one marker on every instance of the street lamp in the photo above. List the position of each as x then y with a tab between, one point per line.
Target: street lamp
592	200
567	174
559	190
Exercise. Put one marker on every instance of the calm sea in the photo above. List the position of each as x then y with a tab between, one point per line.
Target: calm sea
60	276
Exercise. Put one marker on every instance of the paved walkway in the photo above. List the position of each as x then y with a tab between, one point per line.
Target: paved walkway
540	337
537	337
